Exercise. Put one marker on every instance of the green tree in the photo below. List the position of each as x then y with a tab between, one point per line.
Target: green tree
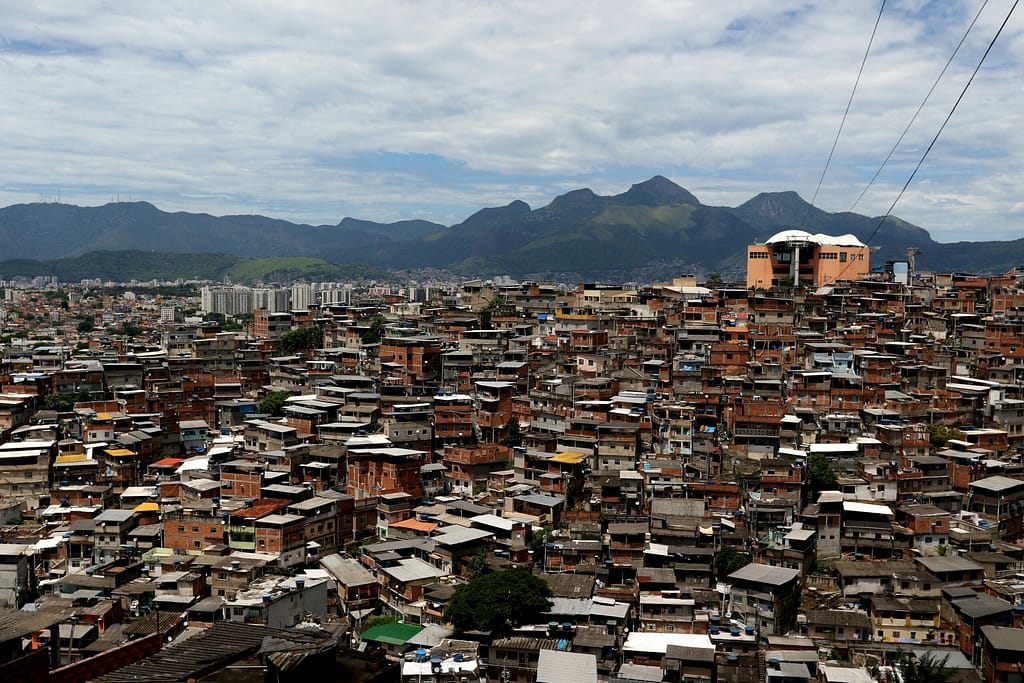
273	403
378	620
511	435
498	601
129	330
86	325
729	559
539	538
302	339
477	566
376	331
820	475
714	280
939	434
924	669
62	403
495	303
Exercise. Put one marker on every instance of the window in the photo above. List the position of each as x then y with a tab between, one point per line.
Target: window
842	257
181	527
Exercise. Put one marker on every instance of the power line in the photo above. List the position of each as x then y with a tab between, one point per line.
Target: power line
920	107
846	113
941	128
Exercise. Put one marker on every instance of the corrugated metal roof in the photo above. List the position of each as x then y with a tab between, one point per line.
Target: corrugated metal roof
220	645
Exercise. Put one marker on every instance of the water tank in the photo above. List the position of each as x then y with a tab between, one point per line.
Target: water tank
734	632
421	655
459	657
266	598
300	584
714	630
732	658
566	626
435	659
750	630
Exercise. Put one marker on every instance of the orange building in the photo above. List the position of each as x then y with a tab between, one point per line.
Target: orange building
797	256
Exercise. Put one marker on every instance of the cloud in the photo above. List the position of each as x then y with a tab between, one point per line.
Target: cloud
315	110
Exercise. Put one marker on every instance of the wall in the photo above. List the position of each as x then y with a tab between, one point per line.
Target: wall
108	661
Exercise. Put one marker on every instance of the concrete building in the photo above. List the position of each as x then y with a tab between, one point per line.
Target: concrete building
796	256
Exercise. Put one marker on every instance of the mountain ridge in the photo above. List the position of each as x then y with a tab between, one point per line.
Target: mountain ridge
579	233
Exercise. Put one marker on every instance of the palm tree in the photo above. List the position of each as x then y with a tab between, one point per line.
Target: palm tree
925	669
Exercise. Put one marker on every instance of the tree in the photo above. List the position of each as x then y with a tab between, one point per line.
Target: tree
62	403
924	669
498	601
273	403
302	339
714	280
729	559
378	620
495	303
510	433
539	538
376	331
939	434
477	566
86	325
820	475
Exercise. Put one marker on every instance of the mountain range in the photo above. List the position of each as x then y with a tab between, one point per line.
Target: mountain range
654	226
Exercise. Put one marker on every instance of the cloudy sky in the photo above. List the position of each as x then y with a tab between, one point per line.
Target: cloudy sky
315	110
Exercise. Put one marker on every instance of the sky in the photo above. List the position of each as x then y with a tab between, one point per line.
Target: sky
315	110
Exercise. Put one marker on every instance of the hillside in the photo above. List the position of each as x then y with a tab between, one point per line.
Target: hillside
654	228
149	265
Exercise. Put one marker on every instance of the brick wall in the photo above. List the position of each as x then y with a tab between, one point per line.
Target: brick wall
32	668
111	660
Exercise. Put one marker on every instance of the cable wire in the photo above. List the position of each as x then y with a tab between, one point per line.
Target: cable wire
935	139
846	113
919	108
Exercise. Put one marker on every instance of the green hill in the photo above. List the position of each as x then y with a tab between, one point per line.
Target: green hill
579	233
146	265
